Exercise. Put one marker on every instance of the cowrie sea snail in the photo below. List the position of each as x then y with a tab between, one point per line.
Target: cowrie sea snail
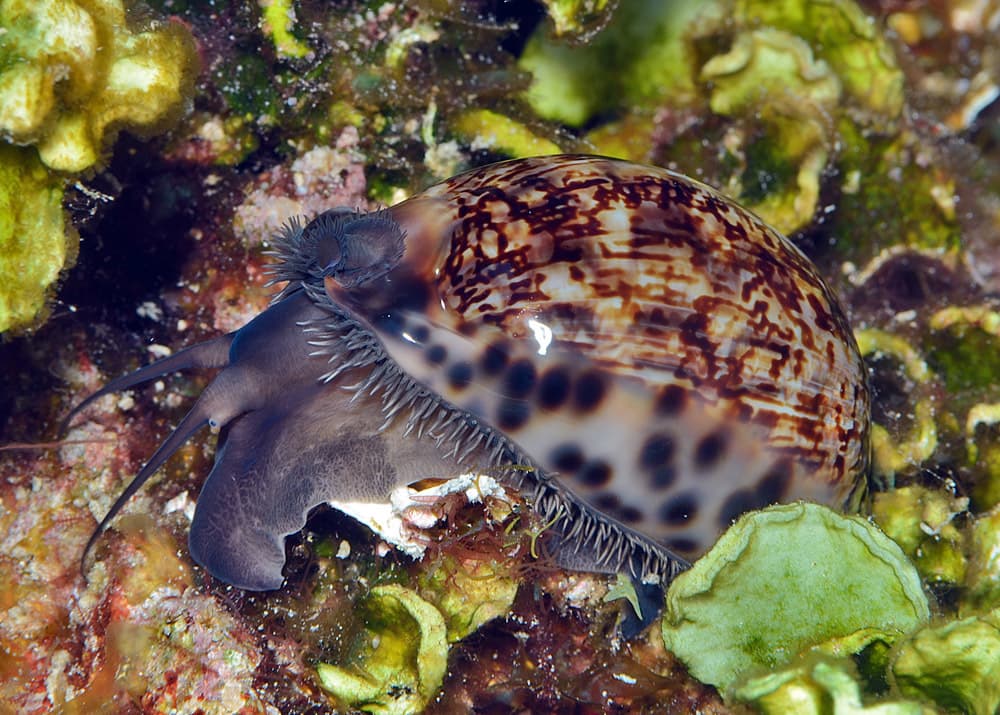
660	357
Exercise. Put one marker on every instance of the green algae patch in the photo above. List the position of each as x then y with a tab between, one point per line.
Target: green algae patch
891	454
767	61
846	38
35	241
965	349
73	73
815	685
399	660
485	129
279	17
983	573
785	579
640	58
955	665
468	593
983	453
922	522
757	77
578	17
895	202
785	74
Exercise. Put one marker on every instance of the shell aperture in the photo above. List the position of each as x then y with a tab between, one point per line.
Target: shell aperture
659	356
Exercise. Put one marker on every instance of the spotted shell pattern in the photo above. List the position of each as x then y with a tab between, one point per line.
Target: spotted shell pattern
649	343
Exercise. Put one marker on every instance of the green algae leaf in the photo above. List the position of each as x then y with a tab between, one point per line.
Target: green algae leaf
577	17
956	665
34	240
849	41
483	128
983	574
783	580
921	521
774	76
641	57
768	61
399	662
468	594
815	685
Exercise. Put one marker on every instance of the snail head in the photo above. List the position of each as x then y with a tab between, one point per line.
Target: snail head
353	248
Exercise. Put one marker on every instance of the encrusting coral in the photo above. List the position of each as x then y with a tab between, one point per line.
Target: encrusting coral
71	75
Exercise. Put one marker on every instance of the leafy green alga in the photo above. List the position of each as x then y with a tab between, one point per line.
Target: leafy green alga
785	579
35	241
846	38
468	593
922	522
398	662
483	128
576	17
983	573
815	685
956	665
640	58
774	76
784	72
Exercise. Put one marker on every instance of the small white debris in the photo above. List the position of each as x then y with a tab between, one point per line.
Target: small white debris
159	351
344	550
476	488
905	316
126	402
182	503
421	517
624	678
213	130
150	310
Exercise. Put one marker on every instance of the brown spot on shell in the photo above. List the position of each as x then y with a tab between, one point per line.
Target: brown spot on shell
553	388
567	458
520	378
594	474
494	359
709	450
513	414
460	375
657	452
670	400
679	509
588	390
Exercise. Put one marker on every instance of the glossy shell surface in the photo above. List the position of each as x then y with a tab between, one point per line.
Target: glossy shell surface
646	341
